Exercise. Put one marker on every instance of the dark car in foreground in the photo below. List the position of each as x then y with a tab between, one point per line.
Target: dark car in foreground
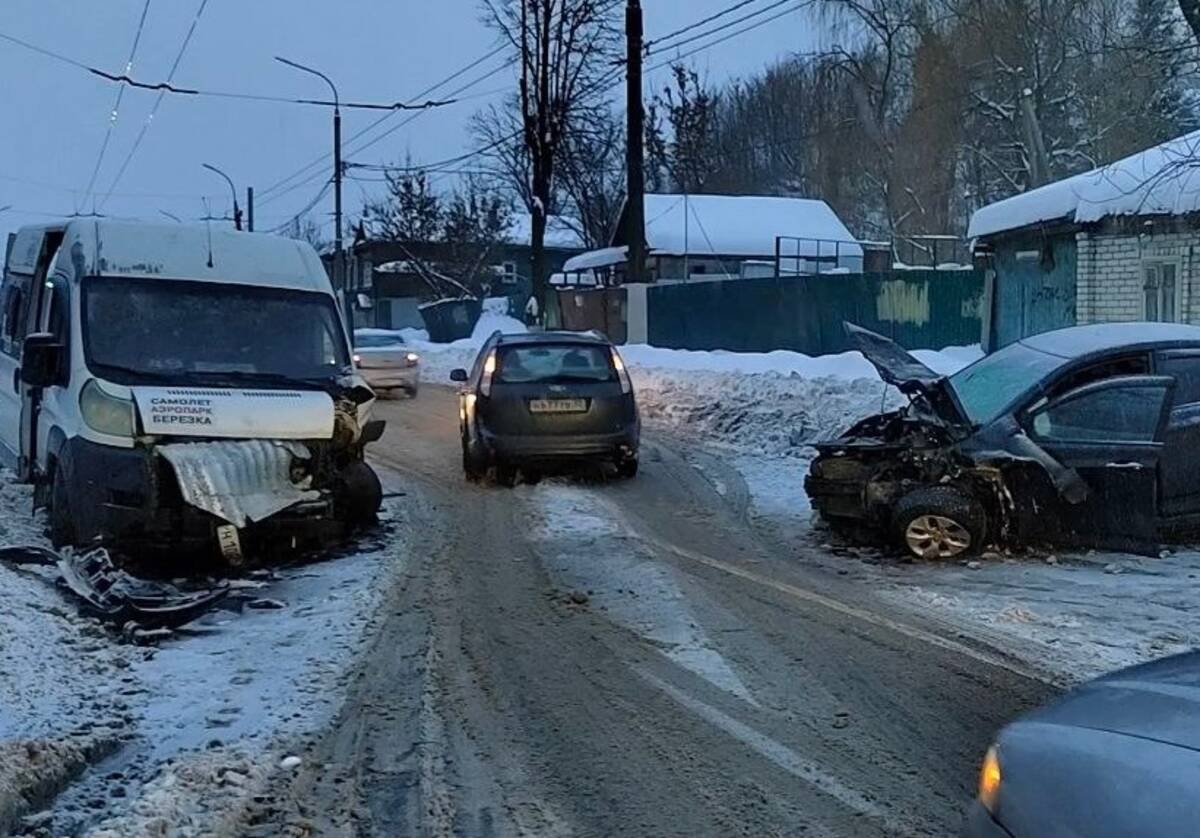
1088	436
1117	757
545	400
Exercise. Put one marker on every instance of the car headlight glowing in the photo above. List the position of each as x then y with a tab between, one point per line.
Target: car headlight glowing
412	357
105	413
989	779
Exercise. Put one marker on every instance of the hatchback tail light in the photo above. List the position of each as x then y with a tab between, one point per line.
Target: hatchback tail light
489	371
622	373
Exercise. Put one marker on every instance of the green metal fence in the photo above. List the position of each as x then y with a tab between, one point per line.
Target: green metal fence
921	309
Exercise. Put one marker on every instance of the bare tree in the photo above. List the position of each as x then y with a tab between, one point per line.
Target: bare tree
305	229
593	178
562	46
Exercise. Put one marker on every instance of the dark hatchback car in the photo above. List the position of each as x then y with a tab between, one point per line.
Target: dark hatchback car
1088	436
545	400
1117	757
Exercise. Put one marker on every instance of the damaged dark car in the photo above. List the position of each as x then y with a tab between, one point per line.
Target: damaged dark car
1086	436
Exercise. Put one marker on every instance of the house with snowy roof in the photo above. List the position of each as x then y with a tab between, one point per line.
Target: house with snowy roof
724	237
1120	242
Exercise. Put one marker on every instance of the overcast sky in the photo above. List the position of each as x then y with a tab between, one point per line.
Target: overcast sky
56	116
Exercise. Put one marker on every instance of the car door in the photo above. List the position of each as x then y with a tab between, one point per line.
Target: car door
1110	432
1180	473
14	299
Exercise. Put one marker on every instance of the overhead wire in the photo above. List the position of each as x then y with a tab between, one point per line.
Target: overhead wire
508	63
699	23
116	108
323	158
187	39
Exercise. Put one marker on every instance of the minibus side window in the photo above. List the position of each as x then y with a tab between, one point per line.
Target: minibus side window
13	296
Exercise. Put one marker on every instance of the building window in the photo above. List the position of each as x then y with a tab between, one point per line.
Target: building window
508	273
1162	291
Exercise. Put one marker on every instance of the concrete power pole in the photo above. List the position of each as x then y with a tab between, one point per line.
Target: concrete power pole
250	208
634	142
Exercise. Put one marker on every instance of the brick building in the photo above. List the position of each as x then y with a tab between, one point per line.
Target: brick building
1116	243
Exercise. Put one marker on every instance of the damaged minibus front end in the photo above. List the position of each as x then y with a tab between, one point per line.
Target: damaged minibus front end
236	472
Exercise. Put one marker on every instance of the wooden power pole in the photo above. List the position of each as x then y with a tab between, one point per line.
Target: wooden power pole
635	129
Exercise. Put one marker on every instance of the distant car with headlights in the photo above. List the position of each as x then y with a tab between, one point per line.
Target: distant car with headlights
535	401
1117	757
386	361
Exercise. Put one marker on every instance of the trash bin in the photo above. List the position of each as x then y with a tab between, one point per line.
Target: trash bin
451	319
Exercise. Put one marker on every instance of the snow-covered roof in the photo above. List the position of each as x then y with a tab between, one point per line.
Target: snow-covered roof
1158	181
742	225
561	232
601	258
167	251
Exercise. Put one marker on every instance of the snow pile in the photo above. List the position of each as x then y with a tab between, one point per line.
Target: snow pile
765	402
774	403
61	671
767	413
202	794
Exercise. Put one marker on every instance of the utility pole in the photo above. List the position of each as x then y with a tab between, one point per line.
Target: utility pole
635	203
339	272
250	208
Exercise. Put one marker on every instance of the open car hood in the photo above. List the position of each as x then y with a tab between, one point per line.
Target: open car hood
898	367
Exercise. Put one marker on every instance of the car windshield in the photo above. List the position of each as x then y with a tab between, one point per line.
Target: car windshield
139	331
377	341
990	385
564	362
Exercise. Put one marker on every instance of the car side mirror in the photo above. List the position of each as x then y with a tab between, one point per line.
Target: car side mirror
459	375
42	358
364	302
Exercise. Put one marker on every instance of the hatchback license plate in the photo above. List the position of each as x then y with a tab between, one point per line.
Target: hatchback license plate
557	405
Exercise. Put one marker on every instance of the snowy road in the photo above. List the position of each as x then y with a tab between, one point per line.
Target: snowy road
634	658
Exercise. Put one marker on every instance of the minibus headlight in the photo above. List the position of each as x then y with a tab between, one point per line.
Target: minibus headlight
105	413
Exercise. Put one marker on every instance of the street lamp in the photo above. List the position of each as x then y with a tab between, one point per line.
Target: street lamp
338	267
237	211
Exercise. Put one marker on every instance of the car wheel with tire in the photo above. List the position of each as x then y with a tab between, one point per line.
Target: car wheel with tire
61	519
506	474
358	494
939	522
628	467
474	466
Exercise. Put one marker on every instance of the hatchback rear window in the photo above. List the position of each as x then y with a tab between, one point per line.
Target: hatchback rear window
566	362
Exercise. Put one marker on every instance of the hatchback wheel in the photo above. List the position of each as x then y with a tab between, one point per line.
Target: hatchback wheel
939	522
628	467
473	465
506	474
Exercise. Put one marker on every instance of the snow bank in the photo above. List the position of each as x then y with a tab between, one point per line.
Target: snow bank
774	402
73	692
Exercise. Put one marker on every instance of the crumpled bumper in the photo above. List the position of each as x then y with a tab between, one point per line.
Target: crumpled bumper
132	497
